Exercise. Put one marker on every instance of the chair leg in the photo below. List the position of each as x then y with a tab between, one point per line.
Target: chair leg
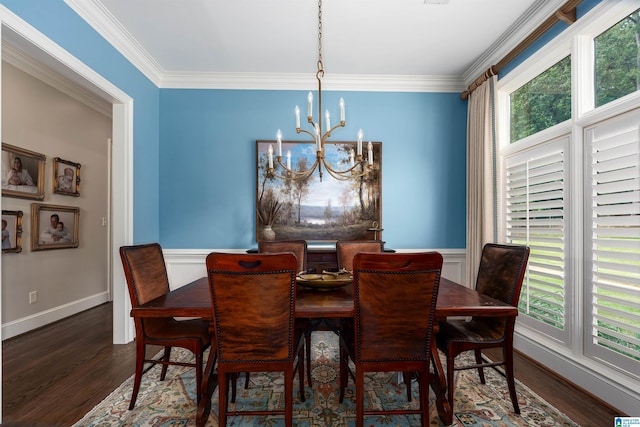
223	383
359	398
288	398
166	358
423	387
301	372
234	379
407	382
307	346
450	379
140	349
344	371
508	368
478	354
198	374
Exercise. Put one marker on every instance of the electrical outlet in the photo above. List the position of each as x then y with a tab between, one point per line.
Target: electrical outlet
33	297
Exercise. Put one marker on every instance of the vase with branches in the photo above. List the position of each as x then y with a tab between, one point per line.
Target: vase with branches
268	209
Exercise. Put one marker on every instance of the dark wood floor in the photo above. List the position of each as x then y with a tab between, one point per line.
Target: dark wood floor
56	374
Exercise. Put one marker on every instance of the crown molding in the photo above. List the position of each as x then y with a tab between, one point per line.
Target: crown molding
98	17
38	70
517	32
346	82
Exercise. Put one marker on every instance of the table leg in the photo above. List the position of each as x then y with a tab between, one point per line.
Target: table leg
209	383
439	387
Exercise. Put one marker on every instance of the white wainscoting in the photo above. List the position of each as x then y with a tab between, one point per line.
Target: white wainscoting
186	265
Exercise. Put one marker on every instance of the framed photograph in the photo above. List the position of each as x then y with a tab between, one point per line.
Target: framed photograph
318	210
22	173
54	227
66	177
11	231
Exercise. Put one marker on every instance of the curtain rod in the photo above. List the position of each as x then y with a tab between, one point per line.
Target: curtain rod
567	14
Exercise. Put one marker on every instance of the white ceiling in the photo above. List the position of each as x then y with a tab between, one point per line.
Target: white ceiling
366	38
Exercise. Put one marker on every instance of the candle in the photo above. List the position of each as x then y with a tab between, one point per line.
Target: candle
360	142
326	114
289	159
352	158
279	138
317	129
297	117
342	110
270	156
310	99
370	149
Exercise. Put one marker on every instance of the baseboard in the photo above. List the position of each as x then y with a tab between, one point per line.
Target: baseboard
29	323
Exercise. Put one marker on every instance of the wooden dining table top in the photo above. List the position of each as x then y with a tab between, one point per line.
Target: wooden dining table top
194	300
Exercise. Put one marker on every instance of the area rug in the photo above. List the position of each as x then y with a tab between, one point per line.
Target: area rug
172	402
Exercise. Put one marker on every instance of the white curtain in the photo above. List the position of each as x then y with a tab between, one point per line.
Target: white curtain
480	174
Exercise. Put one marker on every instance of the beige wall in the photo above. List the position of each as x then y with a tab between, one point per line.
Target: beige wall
40	118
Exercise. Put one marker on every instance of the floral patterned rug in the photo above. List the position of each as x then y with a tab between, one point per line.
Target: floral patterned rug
172	402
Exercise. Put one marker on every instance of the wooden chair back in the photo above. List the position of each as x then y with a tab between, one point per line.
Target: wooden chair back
500	276
145	271
296	247
253	302
395	297
347	249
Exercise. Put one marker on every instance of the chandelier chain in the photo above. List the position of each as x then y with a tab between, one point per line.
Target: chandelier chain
320	64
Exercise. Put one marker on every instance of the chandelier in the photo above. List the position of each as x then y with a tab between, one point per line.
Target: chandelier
358	166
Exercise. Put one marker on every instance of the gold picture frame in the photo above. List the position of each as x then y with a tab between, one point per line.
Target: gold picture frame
46	232
317	211
66	177
11	231
28	181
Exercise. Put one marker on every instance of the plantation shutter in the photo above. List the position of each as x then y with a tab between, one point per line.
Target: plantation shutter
535	216
614	213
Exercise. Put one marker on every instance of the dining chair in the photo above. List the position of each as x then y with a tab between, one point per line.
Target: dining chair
394	301
500	275
347	249
299	249
146	275
253	304
296	247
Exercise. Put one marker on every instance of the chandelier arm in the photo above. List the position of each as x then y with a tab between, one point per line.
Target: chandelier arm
296	174
343	176
351	170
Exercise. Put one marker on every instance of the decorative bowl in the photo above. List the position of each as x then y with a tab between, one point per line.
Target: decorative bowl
326	280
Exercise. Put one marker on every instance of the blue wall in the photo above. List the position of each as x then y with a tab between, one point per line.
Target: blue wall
207	158
61	24
194	150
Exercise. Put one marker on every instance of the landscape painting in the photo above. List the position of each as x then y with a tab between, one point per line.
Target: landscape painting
313	209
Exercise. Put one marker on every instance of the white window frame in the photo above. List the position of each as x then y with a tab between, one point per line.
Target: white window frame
567	351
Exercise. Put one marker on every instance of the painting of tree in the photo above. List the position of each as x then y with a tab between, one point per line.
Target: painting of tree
317	209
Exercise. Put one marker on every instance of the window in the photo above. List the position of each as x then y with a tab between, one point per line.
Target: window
543	102
569	187
614	169
535	205
617	53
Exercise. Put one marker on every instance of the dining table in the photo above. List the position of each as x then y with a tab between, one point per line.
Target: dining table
194	300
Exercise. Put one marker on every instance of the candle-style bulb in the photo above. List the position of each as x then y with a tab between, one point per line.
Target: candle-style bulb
342	110
297	117
288	159
352	158
270	156
370	152
279	139
310	100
